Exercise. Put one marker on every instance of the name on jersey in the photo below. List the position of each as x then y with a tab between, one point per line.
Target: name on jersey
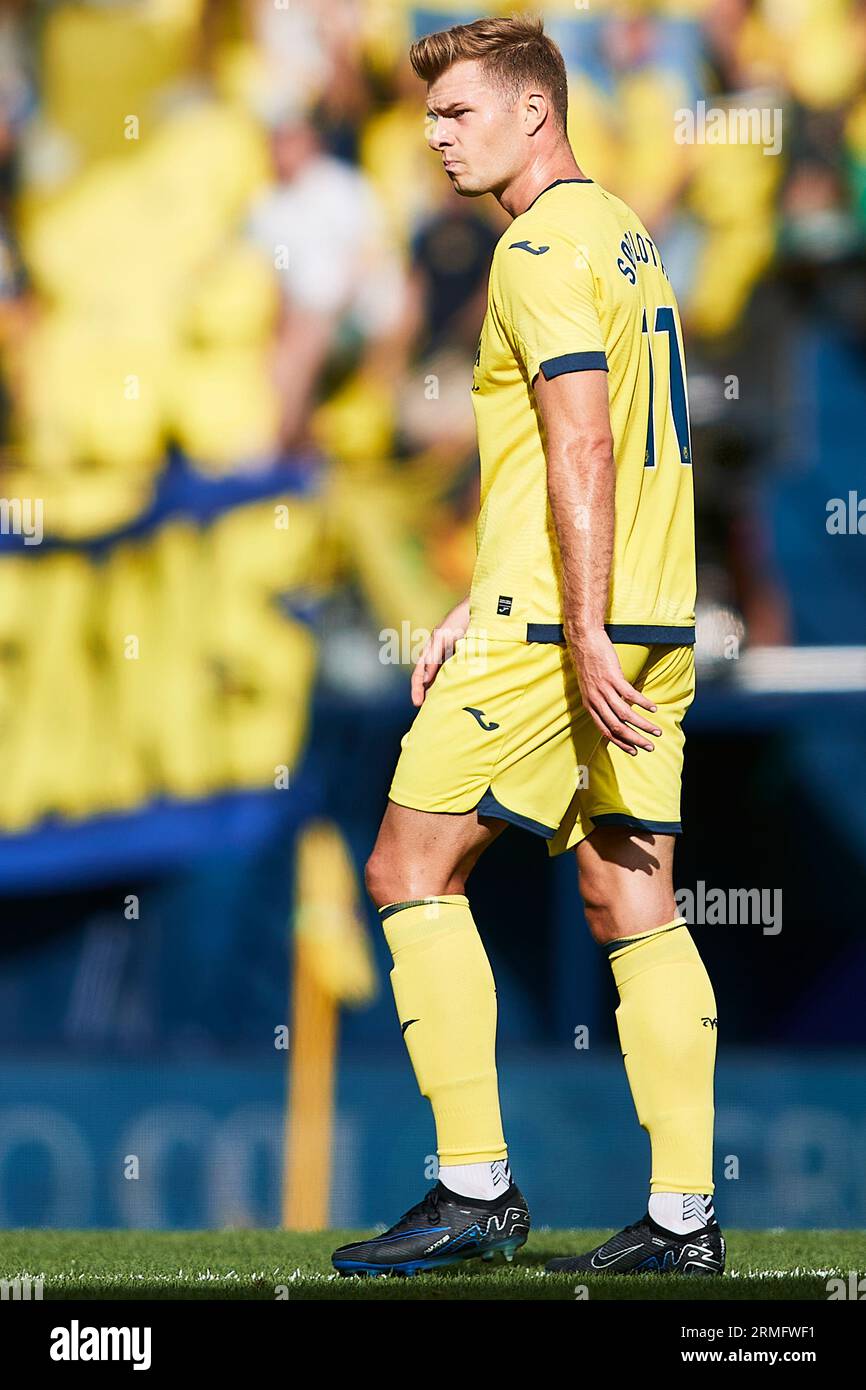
638	250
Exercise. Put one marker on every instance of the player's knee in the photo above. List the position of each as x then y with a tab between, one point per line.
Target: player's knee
602	922
596	901
617	914
391	879
378	879
608	911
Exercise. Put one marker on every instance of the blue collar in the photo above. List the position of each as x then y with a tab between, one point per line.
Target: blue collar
555	184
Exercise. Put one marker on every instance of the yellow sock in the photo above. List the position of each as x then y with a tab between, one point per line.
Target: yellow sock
446	1003
667	1029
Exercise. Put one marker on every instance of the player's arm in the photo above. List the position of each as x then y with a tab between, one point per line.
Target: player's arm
438	647
581	481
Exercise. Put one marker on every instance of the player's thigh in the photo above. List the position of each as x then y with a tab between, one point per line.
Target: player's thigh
624	870
644	792
421	854
450	753
631	807
626	880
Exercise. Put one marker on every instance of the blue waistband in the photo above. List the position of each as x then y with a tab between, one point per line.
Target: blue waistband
638	634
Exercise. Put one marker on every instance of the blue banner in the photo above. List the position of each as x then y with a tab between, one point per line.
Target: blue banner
175	1145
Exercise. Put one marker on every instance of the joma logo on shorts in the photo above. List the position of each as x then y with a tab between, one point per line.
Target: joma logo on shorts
479	715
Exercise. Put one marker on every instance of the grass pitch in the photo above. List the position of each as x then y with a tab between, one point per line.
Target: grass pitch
267	1265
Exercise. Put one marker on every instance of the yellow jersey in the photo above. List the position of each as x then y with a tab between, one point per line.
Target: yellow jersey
577	284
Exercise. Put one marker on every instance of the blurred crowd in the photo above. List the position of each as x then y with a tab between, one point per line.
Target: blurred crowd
223	240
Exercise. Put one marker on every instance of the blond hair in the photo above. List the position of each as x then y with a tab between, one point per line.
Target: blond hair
514	52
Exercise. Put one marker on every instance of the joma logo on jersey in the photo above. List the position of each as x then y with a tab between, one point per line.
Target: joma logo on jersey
527	246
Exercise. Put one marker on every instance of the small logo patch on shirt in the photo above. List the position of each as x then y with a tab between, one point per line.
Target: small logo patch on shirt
503	607
527	246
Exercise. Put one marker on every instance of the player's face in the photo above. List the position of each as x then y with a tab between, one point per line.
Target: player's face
469	125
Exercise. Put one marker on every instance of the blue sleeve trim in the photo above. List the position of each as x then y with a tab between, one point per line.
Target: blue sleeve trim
574	362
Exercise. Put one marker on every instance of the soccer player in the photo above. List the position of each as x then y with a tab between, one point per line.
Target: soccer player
553	697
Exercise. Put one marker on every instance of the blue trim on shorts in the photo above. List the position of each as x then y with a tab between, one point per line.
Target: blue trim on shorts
637	634
489	806
661	827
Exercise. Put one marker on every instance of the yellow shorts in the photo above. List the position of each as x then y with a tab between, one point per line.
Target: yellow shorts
502	731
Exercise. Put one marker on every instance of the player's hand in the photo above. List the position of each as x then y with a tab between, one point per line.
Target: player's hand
609	697
438	647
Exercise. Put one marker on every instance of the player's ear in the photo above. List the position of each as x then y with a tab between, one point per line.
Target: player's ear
535	110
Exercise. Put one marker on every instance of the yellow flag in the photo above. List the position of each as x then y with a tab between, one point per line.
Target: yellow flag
329	930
